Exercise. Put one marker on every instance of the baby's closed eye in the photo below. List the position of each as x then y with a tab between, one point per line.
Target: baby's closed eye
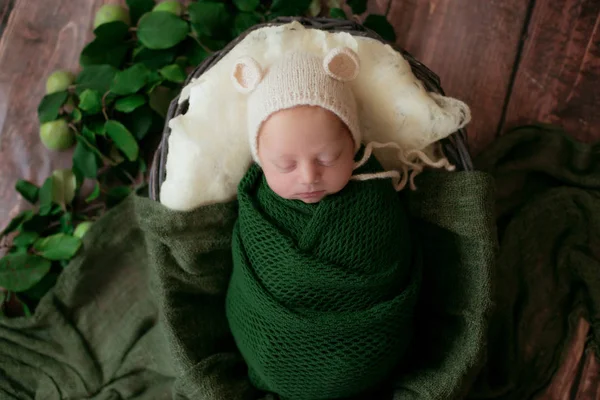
328	160
285	167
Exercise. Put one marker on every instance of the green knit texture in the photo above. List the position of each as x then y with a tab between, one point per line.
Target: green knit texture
322	295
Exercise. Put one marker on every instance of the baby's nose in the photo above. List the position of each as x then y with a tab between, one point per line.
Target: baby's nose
309	174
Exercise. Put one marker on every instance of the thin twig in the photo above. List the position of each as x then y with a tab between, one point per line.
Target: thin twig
128	175
93	207
104	105
52	225
96	151
200	43
73	127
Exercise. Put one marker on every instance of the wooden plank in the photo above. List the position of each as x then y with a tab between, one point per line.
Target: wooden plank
39	38
558	79
471	45
5	9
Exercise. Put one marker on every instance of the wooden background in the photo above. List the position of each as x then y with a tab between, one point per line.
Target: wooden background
512	61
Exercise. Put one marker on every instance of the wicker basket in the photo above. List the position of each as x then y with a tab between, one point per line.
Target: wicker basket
454	147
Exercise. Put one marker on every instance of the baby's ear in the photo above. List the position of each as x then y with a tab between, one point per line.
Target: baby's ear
342	64
246	74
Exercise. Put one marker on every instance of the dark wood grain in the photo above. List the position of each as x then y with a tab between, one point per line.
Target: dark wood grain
558	77
6	7
578	377
471	45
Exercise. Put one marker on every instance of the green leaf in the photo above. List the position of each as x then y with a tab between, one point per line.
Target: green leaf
17	221
173	73
123	139
56	210
89	135
96	77
96	126
102	53
244	21
57	247
46	197
66	223
40	289
63	186
209	19
19	272
358	6
182	61
337	13
381	26
194	52
290	8
95	193
28	190
161	30
49	107
3	297
116	195
246	5
85	160
76	115
25	307
130	80
130	103
213	44
88	140
143	167
37	223
154	59
137	8
139	121
111	32
155	79
90	101
25	239
161	98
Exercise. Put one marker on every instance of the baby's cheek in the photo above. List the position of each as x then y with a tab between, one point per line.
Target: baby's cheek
339	178
280	184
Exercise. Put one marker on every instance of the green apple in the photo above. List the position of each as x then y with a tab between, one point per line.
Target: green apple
172	6
56	135
111	13
64	184
58	81
82	229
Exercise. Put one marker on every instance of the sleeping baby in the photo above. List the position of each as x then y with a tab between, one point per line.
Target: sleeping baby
325	270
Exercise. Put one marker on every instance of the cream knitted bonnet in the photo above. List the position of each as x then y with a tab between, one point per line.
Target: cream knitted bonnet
299	78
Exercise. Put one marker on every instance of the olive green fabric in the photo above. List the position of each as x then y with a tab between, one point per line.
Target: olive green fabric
548	218
140	312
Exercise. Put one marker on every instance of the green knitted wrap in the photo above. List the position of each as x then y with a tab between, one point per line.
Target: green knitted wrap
321	298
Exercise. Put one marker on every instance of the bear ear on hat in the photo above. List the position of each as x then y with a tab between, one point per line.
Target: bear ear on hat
342	64
246	74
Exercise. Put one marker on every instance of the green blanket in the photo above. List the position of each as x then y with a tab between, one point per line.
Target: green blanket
322	295
140	313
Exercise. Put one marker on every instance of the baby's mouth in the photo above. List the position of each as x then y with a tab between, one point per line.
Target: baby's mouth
311	194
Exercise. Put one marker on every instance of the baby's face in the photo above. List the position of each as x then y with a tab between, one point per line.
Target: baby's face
306	153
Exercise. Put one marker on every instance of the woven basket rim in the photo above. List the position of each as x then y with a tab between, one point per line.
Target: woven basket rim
454	147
